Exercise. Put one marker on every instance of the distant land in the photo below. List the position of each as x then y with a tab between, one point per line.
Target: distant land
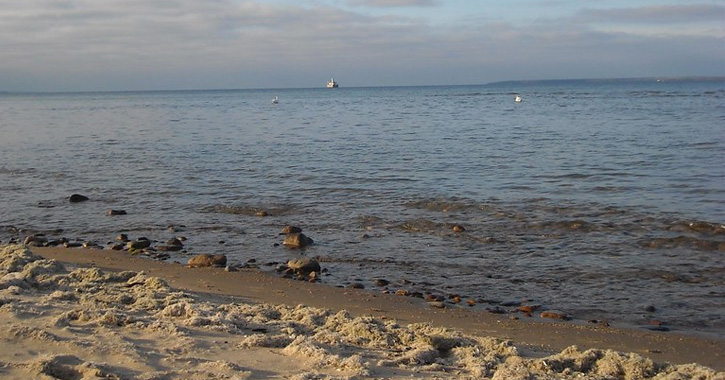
608	80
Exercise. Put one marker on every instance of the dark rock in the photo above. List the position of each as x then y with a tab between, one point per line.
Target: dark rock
35	241
297	240
290	230
437	304
116	212
75	198
657	328
141	243
355	285
496	310
169	248
650	309
207	260
381	282
261	213
117	247
91	245
122	238
175	242
304	265
72	244
458	228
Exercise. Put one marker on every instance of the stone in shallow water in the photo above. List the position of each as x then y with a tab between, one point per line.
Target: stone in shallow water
75	198
297	240
304	265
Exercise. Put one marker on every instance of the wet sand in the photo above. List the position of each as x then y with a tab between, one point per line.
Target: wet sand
249	324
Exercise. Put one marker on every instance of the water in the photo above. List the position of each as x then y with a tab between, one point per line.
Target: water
595	198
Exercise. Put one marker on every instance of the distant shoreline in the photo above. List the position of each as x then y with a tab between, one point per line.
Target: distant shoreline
519	82
609	80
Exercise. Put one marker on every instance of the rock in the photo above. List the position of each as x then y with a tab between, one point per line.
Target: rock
297	240
35	241
207	260
555	314
116	246
75	198
116	212
230	268
169	248
381	282
138	244
471	302
72	244
261	213
437	304
528	308
304	265
356	285
290	230
91	245
650	309
122	238
458	228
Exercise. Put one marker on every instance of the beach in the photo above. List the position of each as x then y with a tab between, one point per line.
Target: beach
90	313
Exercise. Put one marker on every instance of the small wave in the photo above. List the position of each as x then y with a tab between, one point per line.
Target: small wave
698	226
686	242
252	210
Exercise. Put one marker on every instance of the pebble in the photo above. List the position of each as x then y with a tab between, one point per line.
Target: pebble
207	260
458	228
75	198
290	230
297	240
528	308
555	314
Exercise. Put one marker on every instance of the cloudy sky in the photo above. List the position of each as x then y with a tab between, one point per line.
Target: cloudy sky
80	45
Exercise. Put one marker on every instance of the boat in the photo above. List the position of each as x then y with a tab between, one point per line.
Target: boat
275	100
518	99
332	83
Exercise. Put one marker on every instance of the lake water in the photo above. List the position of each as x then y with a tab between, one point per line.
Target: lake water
605	200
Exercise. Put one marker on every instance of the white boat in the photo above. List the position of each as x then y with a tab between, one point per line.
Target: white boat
518	99
332	83
275	100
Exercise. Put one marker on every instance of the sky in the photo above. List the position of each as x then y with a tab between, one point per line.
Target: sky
109	45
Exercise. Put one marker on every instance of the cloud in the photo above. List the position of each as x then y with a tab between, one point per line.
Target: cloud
664	14
393	3
177	44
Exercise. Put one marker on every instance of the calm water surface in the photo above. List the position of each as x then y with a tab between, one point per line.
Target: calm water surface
597	199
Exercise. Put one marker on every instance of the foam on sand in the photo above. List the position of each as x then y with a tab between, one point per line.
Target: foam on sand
84	323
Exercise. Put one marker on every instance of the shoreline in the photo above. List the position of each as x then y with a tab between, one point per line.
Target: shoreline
535	339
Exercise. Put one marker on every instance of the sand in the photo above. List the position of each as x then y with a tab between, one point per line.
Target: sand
85	314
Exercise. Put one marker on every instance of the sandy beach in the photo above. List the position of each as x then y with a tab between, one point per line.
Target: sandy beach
85	313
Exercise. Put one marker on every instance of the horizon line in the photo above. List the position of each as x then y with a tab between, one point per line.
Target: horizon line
704	78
